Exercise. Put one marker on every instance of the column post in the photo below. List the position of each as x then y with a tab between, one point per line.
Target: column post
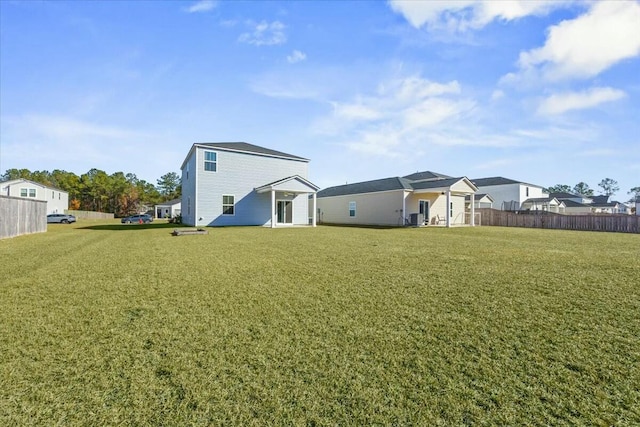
472	222
273	208
315	210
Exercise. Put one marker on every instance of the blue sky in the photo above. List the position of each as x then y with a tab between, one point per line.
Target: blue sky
544	92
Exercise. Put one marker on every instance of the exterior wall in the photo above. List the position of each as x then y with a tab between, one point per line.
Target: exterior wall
503	194
238	174
637	208
20	216
57	200
581	210
189	191
382	208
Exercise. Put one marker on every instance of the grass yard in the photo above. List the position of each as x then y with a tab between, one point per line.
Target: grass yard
103	324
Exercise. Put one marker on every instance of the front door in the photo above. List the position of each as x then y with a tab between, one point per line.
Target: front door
285	212
424	210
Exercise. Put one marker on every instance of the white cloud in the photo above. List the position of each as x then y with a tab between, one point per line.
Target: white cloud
403	112
497	94
202	6
563	102
296	56
265	34
584	47
469	14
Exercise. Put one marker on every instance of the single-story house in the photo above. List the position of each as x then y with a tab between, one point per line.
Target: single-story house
422	198
57	200
481	200
168	209
236	183
545	204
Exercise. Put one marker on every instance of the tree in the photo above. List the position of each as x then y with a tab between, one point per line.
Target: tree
559	188
635	194
169	185
609	186
583	189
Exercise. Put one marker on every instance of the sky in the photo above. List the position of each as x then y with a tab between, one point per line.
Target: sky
541	92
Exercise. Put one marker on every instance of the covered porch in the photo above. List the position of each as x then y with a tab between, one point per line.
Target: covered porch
289	201
441	203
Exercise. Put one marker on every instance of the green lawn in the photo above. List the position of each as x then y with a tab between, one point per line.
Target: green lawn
103	324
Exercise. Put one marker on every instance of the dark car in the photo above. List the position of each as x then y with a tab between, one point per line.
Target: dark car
133	219
60	218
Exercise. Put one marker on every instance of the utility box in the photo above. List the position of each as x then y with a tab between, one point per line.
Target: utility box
416	219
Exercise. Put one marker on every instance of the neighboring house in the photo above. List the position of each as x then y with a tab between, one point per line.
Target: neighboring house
57	200
637	207
236	183
421	198
509	194
168	209
577	204
481	200
544	204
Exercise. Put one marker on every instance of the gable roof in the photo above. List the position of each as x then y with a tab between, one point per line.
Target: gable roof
393	183
274	184
479	196
245	147
4	184
499	180
170	202
242	147
420	176
377	185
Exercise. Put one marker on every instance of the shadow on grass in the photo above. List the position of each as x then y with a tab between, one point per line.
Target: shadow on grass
129	227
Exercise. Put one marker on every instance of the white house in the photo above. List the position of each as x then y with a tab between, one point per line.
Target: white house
236	183
421	198
57	200
168	209
481	200
510	195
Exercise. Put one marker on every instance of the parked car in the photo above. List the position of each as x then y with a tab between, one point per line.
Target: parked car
144	218
60	218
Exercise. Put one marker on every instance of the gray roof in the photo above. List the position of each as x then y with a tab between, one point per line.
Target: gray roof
384	184
170	202
564	195
498	180
419	176
249	148
393	183
477	196
435	183
573	204
600	199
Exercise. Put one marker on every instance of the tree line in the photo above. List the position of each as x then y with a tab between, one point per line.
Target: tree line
119	193
608	187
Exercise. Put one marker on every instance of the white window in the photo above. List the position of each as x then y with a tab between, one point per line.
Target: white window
228	205
451	209
210	161
527	191
32	192
352	209
23	192
53	195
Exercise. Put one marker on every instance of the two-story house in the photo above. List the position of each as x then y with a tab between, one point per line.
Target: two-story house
512	195
236	183
57	200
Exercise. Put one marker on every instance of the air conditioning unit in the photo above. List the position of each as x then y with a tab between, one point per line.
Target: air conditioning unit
416	219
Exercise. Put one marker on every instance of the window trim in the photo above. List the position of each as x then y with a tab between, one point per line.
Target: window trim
33	191
24	192
233	205
211	162
352	211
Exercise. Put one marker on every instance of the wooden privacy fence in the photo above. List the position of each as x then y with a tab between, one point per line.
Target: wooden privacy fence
89	214
612	223
19	216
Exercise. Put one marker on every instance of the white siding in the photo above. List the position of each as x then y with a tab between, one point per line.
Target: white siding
503	194
57	200
238	174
